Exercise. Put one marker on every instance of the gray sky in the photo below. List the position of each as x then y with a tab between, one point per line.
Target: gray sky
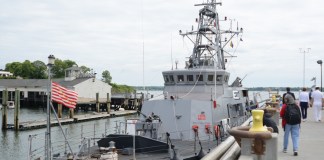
109	35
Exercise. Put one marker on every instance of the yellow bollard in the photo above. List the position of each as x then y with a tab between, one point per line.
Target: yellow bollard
273	98
257	121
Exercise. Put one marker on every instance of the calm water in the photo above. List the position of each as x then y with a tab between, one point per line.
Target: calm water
15	145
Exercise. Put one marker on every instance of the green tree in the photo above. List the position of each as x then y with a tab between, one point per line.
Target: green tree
59	67
121	88
40	70
106	77
85	69
15	68
27	69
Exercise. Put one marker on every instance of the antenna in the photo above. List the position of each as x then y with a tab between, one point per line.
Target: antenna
171	53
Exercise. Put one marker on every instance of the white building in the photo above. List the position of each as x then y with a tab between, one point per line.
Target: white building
5	74
85	84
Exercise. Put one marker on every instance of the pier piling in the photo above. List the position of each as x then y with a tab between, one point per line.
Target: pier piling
4	109
71	113
108	103
97	103
59	110
17	109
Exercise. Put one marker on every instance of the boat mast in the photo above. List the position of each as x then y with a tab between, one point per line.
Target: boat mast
208	45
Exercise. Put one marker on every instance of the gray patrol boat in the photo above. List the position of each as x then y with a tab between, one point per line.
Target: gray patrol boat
198	104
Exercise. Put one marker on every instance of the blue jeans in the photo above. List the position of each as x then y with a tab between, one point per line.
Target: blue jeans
294	129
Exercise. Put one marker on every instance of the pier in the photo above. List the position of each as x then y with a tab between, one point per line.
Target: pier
77	118
311	140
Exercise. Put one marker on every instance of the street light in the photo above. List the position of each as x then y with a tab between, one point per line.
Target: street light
304	51
320	63
51	60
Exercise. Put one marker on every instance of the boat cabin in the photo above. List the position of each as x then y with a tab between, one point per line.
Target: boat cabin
191	77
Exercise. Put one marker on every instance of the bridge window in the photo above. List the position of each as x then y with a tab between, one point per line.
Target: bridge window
190	78
171	78
166	79
210	78
200	77
180	78
219	78
226	78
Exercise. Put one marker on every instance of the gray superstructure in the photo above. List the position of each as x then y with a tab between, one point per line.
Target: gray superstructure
198	104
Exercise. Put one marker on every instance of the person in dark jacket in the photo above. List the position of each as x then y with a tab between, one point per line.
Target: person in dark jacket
288	92
267	121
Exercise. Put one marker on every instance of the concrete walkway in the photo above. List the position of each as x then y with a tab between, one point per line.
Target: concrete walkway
311	140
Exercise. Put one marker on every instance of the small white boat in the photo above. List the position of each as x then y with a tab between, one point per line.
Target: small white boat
11	104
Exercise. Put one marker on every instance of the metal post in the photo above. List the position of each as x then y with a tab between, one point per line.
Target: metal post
48	147
65	142
94	134
106	128
30	147
48	131
134	158
81	133
304	51
320	62
321	79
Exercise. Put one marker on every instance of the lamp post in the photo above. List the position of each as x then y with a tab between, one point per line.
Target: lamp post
320	63
304	51
48	148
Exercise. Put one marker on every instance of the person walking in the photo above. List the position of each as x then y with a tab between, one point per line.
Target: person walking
304	103
288	92
317	102
291	118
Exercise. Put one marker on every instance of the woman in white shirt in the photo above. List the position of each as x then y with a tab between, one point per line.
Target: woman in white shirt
304	103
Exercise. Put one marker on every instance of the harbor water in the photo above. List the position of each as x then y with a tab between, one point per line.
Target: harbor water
16	144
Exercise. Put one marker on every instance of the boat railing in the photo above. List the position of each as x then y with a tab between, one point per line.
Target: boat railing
89	134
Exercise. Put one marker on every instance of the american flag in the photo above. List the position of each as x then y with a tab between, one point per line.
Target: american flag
64	96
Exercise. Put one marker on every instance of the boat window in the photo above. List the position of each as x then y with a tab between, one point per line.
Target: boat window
210	78
180	78
226	78
200	77
171	78
166	78
219	78
190	78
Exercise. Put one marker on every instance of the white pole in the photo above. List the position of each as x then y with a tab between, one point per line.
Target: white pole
304	51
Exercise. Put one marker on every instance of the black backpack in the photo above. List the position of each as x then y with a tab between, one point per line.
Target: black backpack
292	114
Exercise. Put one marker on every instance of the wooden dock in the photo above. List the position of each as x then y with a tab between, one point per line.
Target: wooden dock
36	124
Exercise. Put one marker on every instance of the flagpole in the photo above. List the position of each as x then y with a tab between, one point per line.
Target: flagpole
48	148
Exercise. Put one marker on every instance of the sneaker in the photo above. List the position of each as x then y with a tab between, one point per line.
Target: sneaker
304	120
284	150
295	153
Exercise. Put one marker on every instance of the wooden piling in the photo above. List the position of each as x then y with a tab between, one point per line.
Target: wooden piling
135	100
59	110
17	110
71	113
4	109
108	103
97	103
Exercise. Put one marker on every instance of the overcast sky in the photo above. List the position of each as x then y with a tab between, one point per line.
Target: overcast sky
109	35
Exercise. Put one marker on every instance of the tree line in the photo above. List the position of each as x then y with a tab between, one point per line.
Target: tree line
38	70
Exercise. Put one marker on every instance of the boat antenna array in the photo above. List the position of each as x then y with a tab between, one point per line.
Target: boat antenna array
208	50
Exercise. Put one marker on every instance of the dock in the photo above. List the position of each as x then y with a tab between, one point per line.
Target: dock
311	140
36	124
